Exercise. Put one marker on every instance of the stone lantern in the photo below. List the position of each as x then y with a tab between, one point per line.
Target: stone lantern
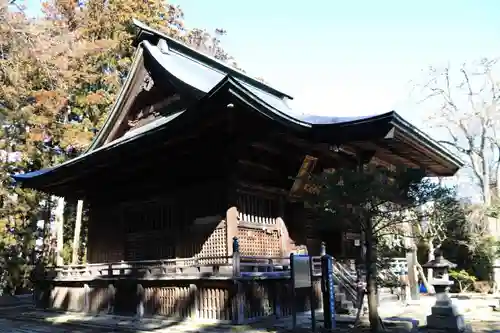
440	268
444	316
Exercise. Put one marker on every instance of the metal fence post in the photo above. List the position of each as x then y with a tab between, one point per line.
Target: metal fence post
328	291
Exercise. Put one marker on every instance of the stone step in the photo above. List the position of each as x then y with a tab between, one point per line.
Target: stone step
343	305
341	297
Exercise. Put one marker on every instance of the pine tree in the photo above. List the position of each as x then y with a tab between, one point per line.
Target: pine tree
374	201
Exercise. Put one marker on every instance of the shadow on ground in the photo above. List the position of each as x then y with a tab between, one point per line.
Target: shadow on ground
62	322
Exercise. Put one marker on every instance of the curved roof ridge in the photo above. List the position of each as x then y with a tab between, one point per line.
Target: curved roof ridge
211	61
116	106
319	120
234	82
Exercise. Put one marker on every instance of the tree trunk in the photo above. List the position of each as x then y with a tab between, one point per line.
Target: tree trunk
371	279
497	177
430	256
46	236
59	229
76	236
412	291
486	178
430	288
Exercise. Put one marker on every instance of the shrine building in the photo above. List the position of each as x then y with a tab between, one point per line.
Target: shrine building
193	154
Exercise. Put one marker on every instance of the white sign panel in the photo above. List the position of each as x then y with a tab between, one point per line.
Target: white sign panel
302	271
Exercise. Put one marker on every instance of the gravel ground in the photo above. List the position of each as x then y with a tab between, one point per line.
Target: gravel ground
14	326
477	312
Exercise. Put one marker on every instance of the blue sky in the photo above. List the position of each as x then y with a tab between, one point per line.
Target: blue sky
352	57
348	57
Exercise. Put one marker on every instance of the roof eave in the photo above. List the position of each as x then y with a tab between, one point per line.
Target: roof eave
411	133
372	128
45	179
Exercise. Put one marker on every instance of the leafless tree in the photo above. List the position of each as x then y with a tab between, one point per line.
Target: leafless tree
465	110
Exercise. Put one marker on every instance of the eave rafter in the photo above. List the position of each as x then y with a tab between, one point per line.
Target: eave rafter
387	154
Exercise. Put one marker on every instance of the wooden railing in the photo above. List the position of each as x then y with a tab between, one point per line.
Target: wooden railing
208	267
243	268
145	269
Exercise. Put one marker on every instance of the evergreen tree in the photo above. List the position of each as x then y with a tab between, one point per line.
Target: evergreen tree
374	201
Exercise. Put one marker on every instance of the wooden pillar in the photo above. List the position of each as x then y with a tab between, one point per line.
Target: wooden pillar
86	298
76	236
59	230
111	292
280	220
140	301
194	312
231	228
231	214
231	165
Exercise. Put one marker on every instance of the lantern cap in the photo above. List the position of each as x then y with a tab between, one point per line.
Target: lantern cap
439	261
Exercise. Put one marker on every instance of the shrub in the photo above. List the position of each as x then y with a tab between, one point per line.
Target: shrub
463	278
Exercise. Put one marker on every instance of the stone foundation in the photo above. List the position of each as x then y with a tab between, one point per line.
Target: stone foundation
236	301
445	316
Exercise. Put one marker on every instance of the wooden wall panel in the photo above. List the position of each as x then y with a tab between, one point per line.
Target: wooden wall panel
259	242
105	236
160	228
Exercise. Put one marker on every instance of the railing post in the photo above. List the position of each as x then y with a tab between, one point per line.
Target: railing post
328	291
163	268
236	257
197	264
238	297
322	250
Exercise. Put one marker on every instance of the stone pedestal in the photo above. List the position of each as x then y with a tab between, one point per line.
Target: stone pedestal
444	316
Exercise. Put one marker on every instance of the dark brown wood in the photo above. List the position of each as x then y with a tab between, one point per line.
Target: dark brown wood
132	92
188	299
164	212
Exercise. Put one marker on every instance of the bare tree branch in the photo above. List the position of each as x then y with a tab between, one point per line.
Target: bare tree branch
465	110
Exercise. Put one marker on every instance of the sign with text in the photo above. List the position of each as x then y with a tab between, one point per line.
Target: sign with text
328	291
352	235
302	271
300	183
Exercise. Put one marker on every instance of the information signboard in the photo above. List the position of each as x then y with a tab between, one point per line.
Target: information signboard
352	235
302	271
301	274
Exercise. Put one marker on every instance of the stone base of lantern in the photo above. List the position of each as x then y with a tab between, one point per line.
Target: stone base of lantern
445	316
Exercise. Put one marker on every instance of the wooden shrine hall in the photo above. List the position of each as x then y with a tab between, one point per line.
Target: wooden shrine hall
193	154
